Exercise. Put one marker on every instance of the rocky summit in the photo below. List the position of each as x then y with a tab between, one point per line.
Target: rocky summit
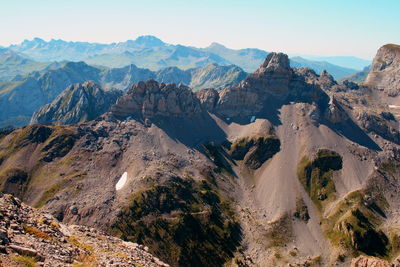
285	168
274	82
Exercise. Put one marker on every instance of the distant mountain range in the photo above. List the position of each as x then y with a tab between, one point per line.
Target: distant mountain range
150	52
21	97
342	61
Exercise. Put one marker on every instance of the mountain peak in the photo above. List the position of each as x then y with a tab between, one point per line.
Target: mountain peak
149	40
38	40
274	62
216	45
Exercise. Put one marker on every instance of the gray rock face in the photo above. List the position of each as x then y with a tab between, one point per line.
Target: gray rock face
149	99
385	70
77	103
273	81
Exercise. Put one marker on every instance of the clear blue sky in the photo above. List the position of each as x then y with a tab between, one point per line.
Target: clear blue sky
320	27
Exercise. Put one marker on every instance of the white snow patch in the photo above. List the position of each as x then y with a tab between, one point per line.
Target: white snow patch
394	106
253	118
121	181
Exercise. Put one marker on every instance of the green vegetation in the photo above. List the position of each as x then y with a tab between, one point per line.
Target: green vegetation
255	150
184	222
353	224
25	260
316	175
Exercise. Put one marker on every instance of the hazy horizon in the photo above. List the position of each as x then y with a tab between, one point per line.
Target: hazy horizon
341	28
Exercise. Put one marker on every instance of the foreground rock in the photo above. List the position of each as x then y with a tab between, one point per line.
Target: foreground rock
28	235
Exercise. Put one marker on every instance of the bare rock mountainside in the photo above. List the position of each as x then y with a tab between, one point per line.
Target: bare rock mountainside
285	168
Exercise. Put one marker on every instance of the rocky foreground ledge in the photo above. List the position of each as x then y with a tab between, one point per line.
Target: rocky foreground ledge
29	237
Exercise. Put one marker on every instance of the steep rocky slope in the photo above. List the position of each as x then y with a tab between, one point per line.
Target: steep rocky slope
282	168
29	237
77	103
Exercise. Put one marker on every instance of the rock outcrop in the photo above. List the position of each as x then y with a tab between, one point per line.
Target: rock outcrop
150	99
77	103
385	70
31	236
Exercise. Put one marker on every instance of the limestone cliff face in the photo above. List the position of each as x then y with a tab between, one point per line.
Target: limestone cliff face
150	99
79	102
385	70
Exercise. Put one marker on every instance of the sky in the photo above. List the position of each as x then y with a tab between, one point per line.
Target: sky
317	27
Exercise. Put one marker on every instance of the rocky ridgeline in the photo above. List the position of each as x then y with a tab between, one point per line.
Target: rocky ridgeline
385	70
274	82
151	99
30	236
79	102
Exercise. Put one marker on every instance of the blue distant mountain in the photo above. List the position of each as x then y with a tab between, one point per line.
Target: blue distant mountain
154	54
342	61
